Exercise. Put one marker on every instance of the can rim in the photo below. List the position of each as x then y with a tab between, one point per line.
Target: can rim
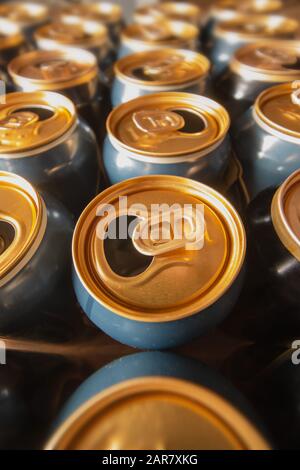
96	40
48	96
10	40
39	11
197	58
252	72
178	41
227	12
202	397
267	124
53	84
212	107
221	32
281	225
28	249
115	9
212	198
147	13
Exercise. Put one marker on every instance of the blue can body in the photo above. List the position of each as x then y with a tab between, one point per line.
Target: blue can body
69	170
156	335
122	92
42	278
210	168
156	364
267	159
221	51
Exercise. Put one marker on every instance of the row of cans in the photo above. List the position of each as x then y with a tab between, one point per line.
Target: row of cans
166	144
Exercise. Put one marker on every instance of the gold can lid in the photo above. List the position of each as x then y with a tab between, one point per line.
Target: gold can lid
172	10
277	110
226	9
157	413
105	12
162	33
286	214
250	28
24	13
276	61
10	34
53	70
72	31
23	219
186	249
163	67
29	121
168	124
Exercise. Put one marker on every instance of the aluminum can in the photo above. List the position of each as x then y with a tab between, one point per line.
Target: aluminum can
178	11
35	237
43	140
12	43
267	137
107	13
148	72
157	390
73	31
168	133
72	72
28	15
275	229
254	68
224	10
229	36
151	293
171	34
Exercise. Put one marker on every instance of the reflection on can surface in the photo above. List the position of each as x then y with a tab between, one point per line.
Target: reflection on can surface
228	36
175	34
168	133
267	138
72	72
42	140
161	289
275	228
157	401
254	68
35	236
148	72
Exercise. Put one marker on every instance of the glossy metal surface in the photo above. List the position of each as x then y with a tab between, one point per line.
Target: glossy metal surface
61	158
104	12
73	31
254	68
160	368
73	73
155	71
198	149
266	139
38	274
136	311
281	266
174	34
28	15
229	36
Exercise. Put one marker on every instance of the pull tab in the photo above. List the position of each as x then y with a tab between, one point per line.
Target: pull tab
162	67
57	69
170	230
295	96
158	121
18	120
276	56
155	32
